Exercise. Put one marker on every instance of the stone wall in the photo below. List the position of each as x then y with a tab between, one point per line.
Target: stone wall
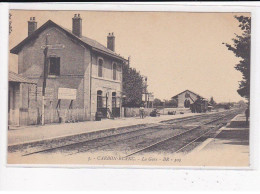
76	64
74	61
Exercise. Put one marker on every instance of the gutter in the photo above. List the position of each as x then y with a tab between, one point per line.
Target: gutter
109	54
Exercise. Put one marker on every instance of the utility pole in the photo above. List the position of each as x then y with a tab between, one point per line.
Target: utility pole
164	105
45	51
45	48
146	92
151	99
106	101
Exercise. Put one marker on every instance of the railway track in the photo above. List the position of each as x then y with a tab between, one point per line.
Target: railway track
138	136
39	147
155	136
177	143
142	129
81	138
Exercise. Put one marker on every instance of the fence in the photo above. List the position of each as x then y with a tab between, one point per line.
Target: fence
64	115
134	112
178	110
33	116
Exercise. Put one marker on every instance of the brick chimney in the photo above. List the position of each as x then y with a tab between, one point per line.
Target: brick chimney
32	25
77	25
111	41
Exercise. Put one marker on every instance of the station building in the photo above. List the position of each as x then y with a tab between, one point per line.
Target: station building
185	98
83	76
21	100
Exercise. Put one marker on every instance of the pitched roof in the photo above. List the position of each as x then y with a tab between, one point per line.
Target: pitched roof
14	77
186	91
88	42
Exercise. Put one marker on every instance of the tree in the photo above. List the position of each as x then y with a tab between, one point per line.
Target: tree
132	87
171	103
242	103
241	48
157	102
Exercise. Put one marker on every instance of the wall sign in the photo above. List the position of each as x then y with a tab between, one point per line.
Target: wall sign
67	93
151	97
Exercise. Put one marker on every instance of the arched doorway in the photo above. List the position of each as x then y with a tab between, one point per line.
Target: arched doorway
187	103
99	99
115	108
100	104
113	99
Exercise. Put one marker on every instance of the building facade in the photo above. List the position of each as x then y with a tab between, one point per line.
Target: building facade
82	75
186	98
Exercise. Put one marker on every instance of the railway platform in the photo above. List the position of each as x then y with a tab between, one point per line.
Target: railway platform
38	133
228	147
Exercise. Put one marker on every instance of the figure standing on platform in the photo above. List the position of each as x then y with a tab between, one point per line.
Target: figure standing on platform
141	110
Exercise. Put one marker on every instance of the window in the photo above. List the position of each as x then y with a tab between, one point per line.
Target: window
113	99
99	99
54	67
187	95
100	67
120	68
114	71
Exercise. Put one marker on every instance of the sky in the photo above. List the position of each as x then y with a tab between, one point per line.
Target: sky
175	50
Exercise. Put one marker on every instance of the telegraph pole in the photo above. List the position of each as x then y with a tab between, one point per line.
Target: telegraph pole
164	105
45	52
146	92
45	48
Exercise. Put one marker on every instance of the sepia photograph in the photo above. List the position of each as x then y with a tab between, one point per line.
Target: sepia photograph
129	88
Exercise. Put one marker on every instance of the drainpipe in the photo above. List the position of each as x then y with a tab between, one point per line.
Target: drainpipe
90	83
121	86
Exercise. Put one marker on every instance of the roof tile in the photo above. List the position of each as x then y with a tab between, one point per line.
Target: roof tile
14	77
93	43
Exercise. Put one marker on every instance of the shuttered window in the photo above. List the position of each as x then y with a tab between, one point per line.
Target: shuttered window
113	99
99	99
54	66
100	68
114	71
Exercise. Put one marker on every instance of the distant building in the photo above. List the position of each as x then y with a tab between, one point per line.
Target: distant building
83	76
186	98
22	99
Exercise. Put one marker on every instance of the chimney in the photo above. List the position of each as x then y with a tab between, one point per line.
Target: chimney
77	25
111	41
32	25
129	60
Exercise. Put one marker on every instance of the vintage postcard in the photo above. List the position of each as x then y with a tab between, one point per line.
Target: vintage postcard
119	88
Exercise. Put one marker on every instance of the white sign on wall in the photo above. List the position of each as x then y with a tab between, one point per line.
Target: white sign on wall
56	46
151	97
67	93
143	97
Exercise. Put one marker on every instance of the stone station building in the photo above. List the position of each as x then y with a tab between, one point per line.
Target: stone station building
83	76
